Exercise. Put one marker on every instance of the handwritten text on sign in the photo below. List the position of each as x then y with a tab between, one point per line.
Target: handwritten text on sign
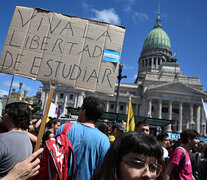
52	47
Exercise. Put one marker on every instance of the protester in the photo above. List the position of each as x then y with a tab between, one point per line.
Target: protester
90	145
196	156
142	127
180	167
203	164
104	128
131	156
52	126
117	130
164	141
25	169
15	144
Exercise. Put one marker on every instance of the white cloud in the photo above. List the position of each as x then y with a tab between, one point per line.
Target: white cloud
107	15
126	67
139	16
86	6
128	5
2	93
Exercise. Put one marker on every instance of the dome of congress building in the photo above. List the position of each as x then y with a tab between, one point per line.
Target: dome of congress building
157	38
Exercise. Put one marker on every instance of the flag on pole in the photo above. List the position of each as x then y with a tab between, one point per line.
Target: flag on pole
130	119
205	108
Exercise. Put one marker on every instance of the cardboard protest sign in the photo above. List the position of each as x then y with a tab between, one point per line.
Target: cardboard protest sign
62	49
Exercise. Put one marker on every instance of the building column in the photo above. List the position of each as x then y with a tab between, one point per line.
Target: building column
189	125
127	107
198	120
117	108
81	96
191	116
160	109
136	110
56	98
169	115
75	100
156	63
203	120
45	99
65	104
152	62
107	106
149	114
180	120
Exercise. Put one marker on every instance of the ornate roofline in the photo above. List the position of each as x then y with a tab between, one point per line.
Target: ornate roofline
152	87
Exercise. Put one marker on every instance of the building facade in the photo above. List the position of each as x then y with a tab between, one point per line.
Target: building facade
160	91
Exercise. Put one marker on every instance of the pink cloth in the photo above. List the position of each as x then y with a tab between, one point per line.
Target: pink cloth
186	171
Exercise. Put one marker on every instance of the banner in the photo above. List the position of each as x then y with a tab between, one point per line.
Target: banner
62	49
130	119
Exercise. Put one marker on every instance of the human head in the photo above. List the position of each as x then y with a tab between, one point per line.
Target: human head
190	137
163	139
129	144
117	129
17	115
53	124
142	127
104	128
92	108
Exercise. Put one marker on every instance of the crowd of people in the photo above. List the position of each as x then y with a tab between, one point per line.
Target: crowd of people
103	152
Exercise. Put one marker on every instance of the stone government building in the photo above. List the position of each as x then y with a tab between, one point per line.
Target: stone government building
160	91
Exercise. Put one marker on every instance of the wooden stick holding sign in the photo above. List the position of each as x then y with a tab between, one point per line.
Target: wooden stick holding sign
44	118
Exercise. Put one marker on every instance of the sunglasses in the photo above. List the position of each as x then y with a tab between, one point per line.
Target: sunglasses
155	169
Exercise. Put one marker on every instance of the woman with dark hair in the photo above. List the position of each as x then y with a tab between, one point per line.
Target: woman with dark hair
131	156
52	127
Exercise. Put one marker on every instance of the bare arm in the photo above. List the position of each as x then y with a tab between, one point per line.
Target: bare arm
25	169
32	137
169	170
51	135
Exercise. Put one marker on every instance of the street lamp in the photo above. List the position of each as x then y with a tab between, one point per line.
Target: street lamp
192	123
203	124
119	77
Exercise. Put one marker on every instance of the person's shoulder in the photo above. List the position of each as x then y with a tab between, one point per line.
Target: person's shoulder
48	132
180	149
13	134
179	152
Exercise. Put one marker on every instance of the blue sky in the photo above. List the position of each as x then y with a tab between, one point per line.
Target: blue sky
183	20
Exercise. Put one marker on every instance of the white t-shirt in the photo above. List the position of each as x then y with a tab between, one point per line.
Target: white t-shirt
165	153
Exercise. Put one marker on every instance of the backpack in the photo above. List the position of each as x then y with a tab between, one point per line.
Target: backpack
56	157
181	164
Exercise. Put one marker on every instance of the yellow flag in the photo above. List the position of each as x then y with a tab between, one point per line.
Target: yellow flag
130	119
124	124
